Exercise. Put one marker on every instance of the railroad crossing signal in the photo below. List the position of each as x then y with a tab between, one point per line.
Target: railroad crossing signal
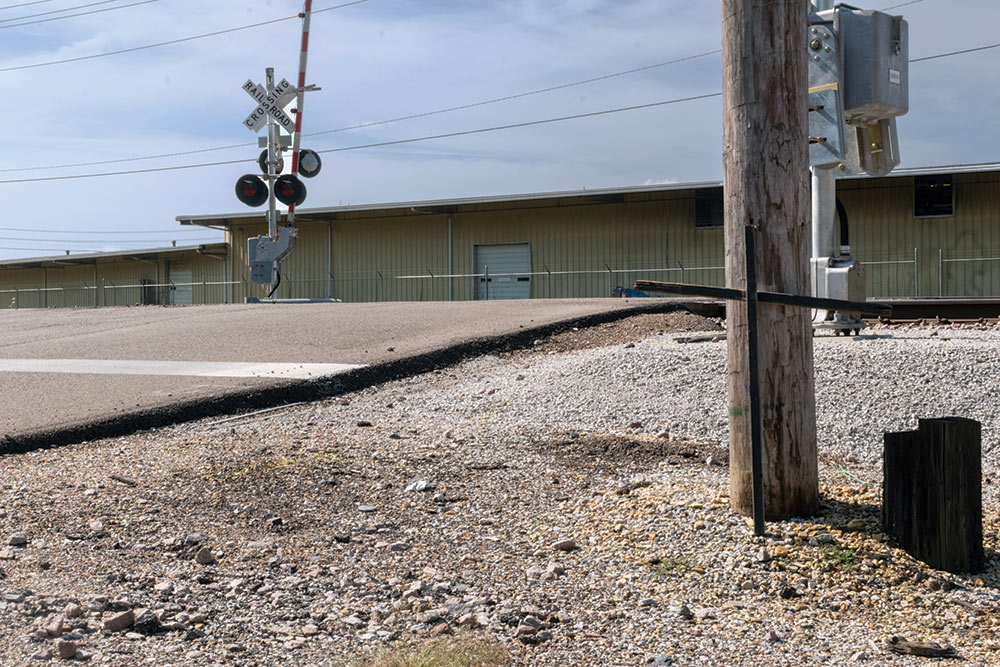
270	102
251	190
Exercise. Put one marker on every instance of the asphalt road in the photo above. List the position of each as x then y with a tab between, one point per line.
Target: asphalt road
69	375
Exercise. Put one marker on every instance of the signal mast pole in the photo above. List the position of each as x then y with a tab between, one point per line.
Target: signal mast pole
300	99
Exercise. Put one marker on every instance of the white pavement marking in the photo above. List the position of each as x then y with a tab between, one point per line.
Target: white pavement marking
189	368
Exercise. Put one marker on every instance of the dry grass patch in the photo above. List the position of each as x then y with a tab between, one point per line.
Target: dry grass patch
460	651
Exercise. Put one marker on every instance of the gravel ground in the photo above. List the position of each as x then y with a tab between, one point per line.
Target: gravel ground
569	500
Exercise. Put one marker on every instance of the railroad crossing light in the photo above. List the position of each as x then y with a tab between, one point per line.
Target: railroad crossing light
309	163
251	190
289	190
262	161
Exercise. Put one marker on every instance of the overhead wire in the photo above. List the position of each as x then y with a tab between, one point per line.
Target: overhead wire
70	16
383	122
429	113
92	241
173	41
87	231
955	53
58	11
25	4
374	145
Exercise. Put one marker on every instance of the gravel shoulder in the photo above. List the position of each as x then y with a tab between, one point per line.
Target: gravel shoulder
570	500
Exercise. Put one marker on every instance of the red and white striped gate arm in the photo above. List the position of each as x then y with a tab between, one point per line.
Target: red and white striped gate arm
300	99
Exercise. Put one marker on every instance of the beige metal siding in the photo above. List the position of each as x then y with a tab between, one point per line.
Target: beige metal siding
22	288
111	281
887	237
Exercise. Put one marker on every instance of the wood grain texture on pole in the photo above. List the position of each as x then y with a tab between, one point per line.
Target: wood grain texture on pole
765	157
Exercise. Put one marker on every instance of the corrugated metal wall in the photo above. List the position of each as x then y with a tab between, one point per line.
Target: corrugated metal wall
904	256
112	281
579	247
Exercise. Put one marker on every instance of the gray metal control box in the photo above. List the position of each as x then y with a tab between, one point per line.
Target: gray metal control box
874	46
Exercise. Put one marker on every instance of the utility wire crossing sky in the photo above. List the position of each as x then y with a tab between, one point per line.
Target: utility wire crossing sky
478	98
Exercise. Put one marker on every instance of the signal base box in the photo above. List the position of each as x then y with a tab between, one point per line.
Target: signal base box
876	65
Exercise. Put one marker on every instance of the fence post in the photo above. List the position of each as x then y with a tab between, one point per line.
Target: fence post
916	274
16	306
940	272
611	281
932	493
682	271
548	282
431	273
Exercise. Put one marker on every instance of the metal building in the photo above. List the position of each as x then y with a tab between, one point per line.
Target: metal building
167	276
921	232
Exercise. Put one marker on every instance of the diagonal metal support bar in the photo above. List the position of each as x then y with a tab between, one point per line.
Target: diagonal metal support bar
750	296
729	294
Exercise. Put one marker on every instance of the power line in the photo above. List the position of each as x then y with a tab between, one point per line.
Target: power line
25	4
902	4
91	241
955	53
70	16
382	122
84	231
173	41
393	120
375	145
58	11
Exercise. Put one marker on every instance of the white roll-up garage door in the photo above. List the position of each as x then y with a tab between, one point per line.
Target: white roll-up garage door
181	277
509	269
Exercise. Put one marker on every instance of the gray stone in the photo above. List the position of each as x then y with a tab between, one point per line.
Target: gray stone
367	509
66	649
53	625
73	610
146	622
662	660
419	486
567	544
204	556
704	613
17	540
119	621
397	547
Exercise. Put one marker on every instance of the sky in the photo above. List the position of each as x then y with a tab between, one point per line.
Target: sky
380	60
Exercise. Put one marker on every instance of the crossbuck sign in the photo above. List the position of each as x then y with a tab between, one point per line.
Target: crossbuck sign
270	102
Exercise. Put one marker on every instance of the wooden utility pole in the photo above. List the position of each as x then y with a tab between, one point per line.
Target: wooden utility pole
765	157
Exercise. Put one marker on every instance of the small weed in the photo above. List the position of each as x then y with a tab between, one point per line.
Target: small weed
460	651
840	556
671	565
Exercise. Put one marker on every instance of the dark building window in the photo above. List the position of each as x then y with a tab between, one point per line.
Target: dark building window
933	196
708	208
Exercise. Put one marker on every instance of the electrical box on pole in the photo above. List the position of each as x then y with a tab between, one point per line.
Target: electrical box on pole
858	67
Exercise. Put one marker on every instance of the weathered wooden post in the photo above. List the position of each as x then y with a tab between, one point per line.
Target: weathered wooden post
932	493
765	158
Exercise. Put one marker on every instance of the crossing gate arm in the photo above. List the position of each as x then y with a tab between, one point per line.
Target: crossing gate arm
865	308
